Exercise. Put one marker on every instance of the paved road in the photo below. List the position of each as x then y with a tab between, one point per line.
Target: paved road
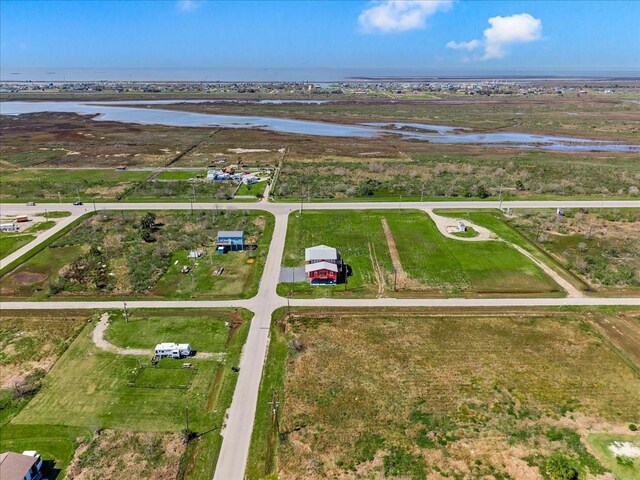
239	426
20	209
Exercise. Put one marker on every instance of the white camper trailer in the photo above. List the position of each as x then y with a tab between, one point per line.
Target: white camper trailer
173	350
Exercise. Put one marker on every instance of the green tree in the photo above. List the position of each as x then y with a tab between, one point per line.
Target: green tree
147	226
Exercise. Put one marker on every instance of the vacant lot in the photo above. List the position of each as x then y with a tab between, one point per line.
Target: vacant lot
30	344
116	453
417	394
600	246
88	389
118	254
461	171
68	185
434	265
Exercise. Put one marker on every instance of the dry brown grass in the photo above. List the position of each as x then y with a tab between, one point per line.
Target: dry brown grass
31	341
494	383
117	454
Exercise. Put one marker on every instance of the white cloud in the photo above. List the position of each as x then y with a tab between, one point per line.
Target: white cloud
390	16
188	5
504	31
471	45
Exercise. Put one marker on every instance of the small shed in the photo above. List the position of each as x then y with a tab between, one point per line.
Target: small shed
173	350
230	241
462	227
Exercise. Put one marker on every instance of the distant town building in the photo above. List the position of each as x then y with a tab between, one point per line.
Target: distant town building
323	265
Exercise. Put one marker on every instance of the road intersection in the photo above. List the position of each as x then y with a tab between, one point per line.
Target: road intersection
239	426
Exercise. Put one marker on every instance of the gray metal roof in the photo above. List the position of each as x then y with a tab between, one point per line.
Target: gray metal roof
320	252
230	233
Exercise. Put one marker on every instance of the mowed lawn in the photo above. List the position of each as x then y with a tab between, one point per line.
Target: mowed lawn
88	388
144	328
434	265
10	242
415	394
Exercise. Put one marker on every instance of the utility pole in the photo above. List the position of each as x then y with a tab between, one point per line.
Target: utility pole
346	276
94	204
301	199
126	314
288	304
422	193
395	280
500	198
59	198
186	421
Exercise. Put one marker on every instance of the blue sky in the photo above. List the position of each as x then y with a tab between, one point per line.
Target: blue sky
540	35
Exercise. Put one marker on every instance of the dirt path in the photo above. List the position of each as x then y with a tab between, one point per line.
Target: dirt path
377	270
445	224
572	291
401	275
103	344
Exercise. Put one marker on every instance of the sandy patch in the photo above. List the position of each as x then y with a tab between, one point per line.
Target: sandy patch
247	150
625	449
27	278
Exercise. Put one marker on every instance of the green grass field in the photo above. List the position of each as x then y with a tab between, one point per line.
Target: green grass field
54	214
144	328
55	443
601	443
41	226
31	342
10	242
88	389
495	221
252	190
416	394
164	377
434	265
68	185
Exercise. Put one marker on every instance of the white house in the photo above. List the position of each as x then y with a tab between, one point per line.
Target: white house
250	179
173	350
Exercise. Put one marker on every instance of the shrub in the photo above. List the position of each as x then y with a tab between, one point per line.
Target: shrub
624	461
633	427
561	467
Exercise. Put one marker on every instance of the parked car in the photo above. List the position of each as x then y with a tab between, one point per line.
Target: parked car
31	204
77	203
